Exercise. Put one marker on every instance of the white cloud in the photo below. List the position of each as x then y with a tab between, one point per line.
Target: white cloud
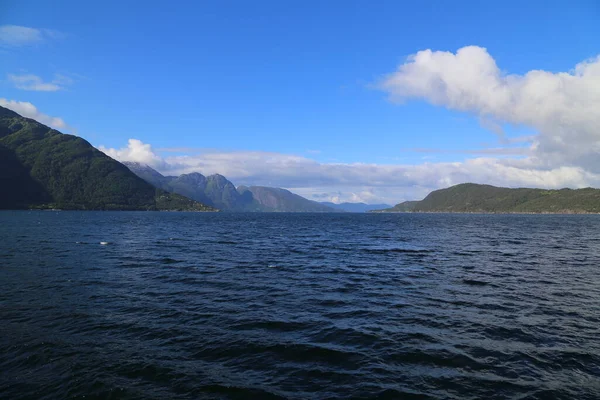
136	151
28	110
356	182
14	35
35	83
563	107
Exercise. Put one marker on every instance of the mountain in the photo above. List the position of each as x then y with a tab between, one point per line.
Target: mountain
355	207
282	200
470	197
405	206
217	191
214	190
43	168
150	175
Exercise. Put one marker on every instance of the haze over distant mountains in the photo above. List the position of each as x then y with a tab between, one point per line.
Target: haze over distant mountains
355	207
216	191
43	168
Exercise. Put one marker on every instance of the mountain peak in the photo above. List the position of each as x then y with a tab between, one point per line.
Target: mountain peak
218	178
193	174
136	164
5	112
141	167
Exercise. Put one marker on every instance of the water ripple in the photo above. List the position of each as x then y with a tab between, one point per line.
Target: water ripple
299	306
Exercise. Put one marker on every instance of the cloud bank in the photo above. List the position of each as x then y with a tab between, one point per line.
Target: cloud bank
355	182
28	110
562	107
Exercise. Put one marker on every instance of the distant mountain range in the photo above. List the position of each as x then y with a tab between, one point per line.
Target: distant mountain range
474	198
355	207
43	168
217	191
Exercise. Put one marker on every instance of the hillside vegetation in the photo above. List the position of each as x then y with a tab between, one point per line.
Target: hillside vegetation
43	168
470	197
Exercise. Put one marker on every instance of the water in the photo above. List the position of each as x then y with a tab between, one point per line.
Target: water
317	306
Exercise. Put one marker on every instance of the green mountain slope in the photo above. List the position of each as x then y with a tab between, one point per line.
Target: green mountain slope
405	206
43	168
470	197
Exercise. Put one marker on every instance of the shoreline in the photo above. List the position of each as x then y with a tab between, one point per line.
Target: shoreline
566	212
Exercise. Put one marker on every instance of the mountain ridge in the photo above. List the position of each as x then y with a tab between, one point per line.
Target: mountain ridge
282	200
478	198
216	190
42	168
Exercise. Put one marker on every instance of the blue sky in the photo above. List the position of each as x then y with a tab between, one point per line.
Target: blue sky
295	78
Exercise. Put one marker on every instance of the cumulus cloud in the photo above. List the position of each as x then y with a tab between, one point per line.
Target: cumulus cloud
14	35
28	110
136	151
563	107
36	83
356	182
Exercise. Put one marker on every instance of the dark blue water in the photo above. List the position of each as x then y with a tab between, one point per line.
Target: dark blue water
318	306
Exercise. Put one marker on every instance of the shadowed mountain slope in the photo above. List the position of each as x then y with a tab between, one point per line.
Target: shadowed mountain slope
219	192
43	168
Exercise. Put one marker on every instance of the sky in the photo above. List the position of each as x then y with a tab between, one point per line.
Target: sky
372	101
